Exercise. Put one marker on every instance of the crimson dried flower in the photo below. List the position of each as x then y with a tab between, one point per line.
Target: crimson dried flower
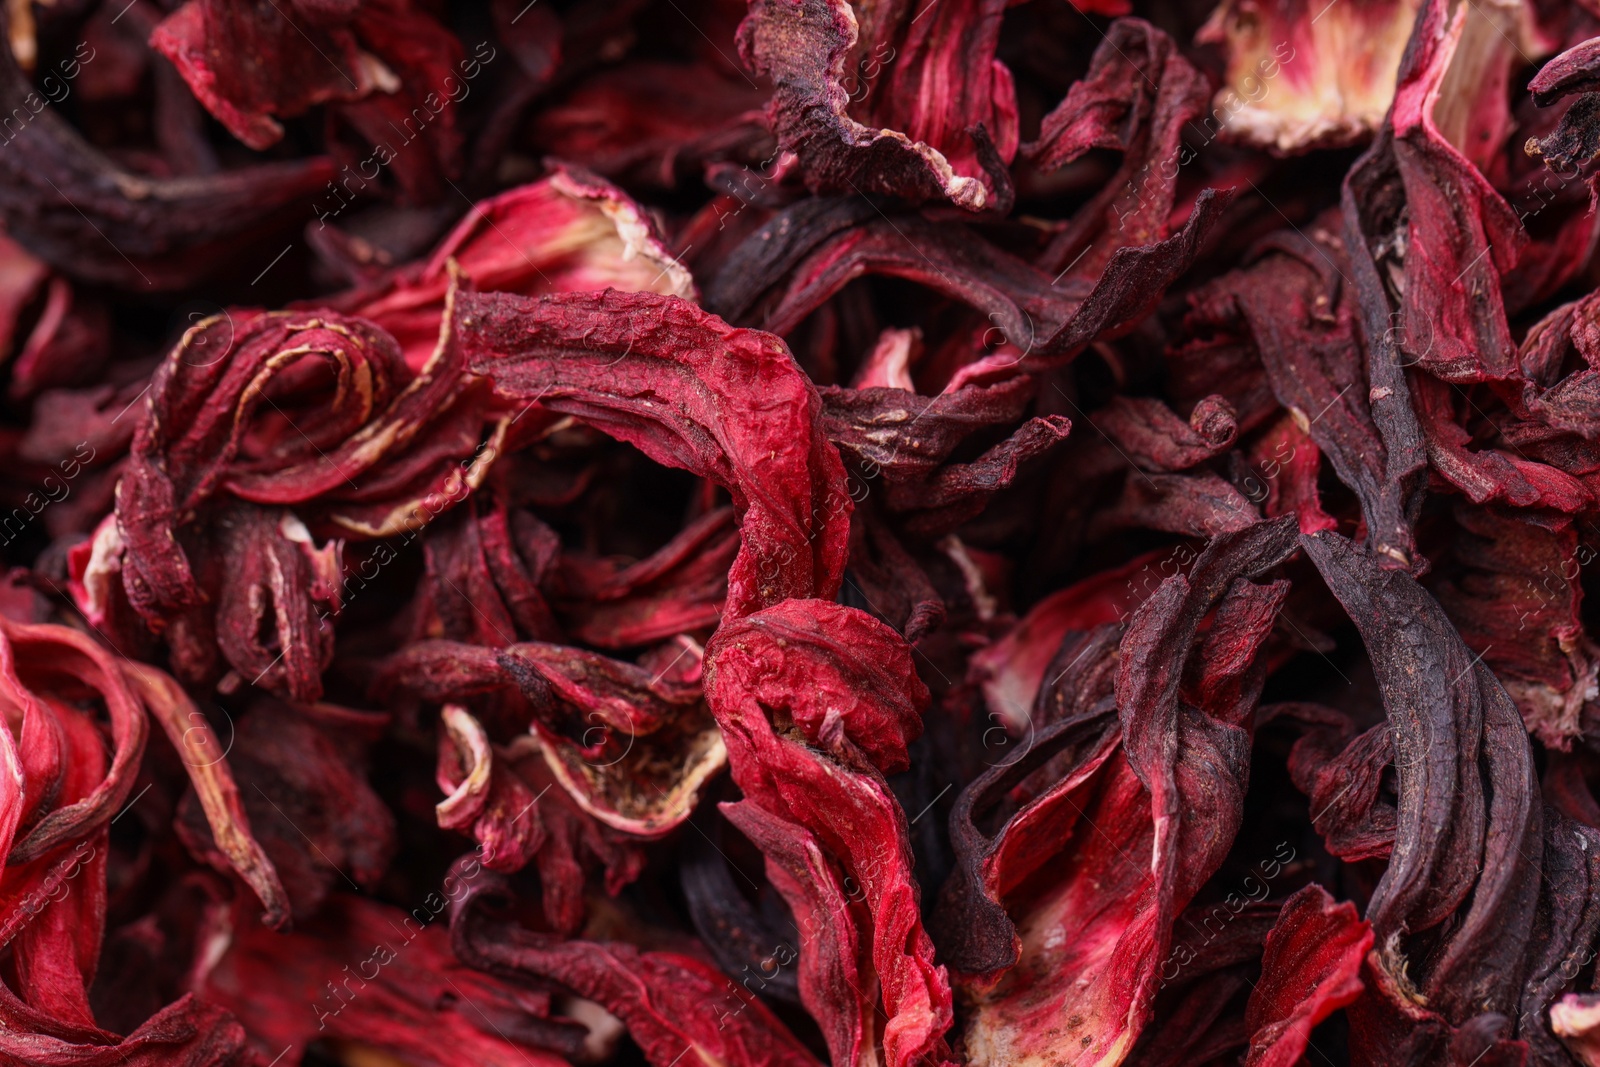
952	533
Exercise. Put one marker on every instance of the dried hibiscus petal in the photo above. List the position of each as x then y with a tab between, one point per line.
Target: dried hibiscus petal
291	70
614	359
1139	106
380	978
908	441
672	1004
223	452
1123	787
1464	770
1295	82
567	232
803	48
817	806
1099	581
1310	967
78	210
308	804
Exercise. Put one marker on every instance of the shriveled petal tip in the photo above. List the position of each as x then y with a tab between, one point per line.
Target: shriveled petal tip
503	813
204	756
1577	70
465	763
906	443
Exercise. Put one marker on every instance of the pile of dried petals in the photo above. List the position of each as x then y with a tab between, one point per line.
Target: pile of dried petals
1007	533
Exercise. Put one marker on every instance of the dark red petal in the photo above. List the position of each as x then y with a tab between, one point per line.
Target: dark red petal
1310	968
690	392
